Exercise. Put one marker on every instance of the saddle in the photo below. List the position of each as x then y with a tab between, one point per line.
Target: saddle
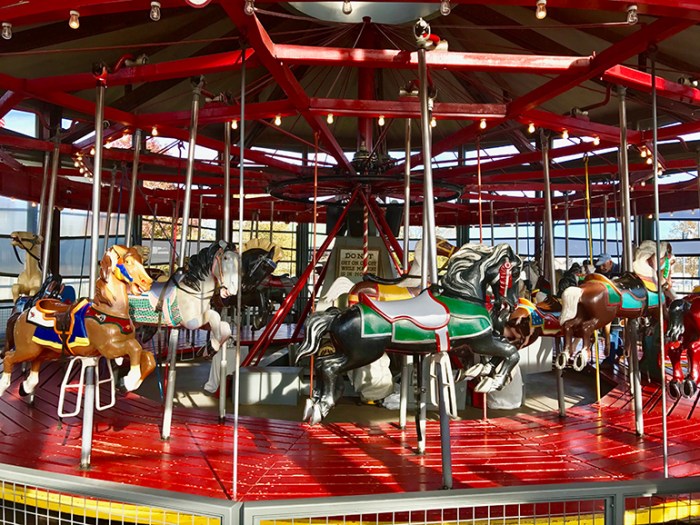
60	313
424	311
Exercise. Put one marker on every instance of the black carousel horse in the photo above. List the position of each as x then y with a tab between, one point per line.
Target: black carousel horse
451	316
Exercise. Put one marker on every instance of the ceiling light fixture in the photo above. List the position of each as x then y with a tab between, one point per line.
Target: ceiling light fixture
632	14
329	118
565	134
92	150
249	8
643	152
482	123
6	30
154	131
380	120
541	9
155	11
531	127
650	161
596	141
347	7
433	122
198	3
278	120
445	7
234	124
74	20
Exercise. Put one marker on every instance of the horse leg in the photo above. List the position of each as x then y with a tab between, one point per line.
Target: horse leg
135	377
675	351
220	330
328	369
28	386
496	347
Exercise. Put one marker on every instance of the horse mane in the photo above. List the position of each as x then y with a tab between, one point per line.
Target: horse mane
199	265
468	259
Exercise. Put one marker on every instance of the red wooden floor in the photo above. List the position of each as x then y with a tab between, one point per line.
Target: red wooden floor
280	459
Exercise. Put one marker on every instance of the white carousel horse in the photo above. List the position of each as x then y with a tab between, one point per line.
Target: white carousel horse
185	300
29	281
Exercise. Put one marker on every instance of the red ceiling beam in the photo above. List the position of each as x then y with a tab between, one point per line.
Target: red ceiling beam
450	60
264	47
403	109
217	113
577	126
640	81
8	101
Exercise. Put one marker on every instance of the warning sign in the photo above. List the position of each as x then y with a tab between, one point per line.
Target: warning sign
350	262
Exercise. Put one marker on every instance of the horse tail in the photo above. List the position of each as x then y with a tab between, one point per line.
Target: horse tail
340	286
316	327
569	303
676	310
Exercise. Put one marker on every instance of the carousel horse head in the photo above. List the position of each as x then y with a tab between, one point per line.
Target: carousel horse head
26	240
220	261
644	263
121	266
258	260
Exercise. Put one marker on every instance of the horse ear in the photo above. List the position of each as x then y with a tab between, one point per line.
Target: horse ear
108	262
119	250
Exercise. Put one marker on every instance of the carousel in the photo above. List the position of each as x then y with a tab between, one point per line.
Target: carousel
469	192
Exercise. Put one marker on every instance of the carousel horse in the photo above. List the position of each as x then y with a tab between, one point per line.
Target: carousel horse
599	300
52	329
29	281
452	314
184	301
402	287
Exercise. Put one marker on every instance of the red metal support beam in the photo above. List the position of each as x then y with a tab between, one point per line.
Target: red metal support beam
264	47
577	126
8	101
634	79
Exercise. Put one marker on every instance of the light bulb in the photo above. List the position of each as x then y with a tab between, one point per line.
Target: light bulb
155	11
278	120
249	7
643	184
74	20
234	124
433	122
347	7
154	132
482	123
596	141
643	152
81	170
650	216
565	134
6	30
329	118
92	151
650	161
445	7
632	15
531	127
76	163
541	9
380	120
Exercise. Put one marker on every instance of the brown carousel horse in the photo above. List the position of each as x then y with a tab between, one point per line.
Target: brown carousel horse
599	300
684	336
52	329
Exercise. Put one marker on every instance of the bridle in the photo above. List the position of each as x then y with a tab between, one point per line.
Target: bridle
27	245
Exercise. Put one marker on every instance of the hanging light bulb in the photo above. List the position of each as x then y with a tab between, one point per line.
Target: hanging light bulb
380	120
531	128
234	124
249	7
433	122
155	11
329	118
643	152
154	131
278	120
596	141
632	14
347	7
92	151
76	163
81	170
644	183
541	9
74	20
6	30
482	123
650	161
445	7
565	134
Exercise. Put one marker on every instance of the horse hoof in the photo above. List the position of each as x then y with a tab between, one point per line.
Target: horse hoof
562	360
308	409
580	362
22	391
474	371
119	360
316	415
674	389
689	387
487	384
131	383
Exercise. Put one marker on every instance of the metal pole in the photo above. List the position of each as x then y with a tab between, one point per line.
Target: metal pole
493	233
44	185
429	236
153	234
605	224
172	346
89	408
549	240
48	221
566	228
227	182
517	233
199	222
132	191
635	373
659	269
110	200
407	196
236	378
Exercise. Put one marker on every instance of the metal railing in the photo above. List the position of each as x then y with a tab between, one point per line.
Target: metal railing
30	497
